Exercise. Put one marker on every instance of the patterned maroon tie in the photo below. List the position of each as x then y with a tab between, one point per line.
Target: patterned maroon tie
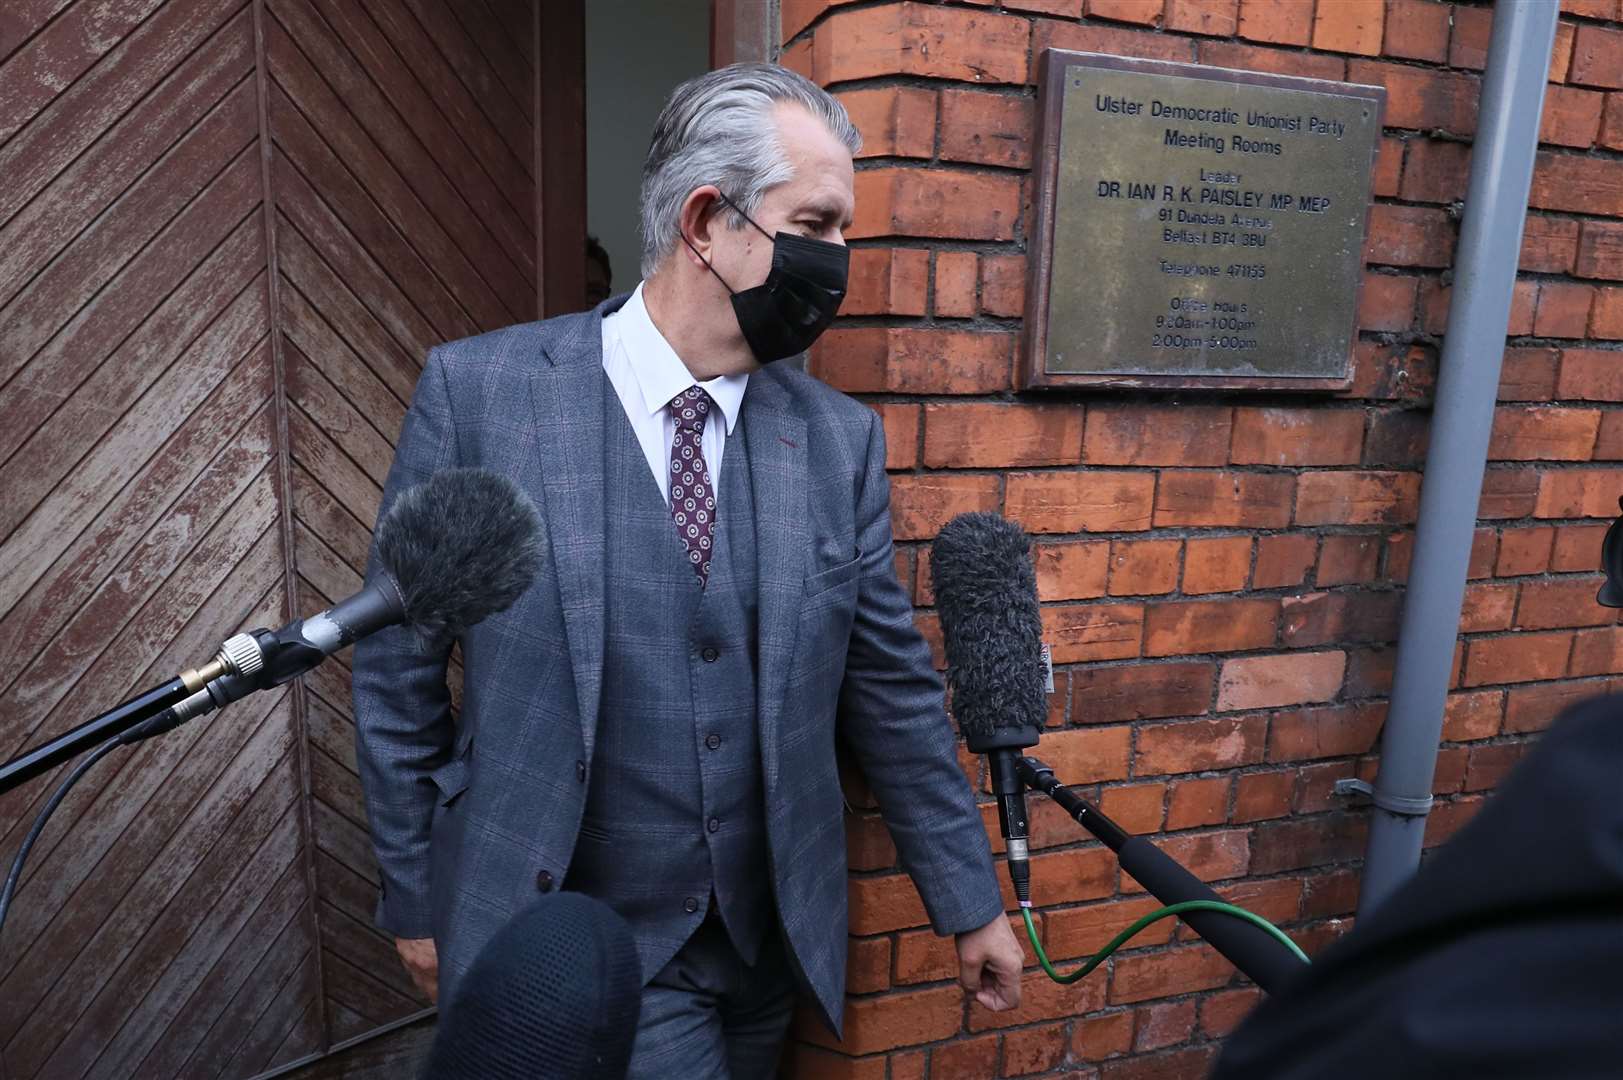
693	499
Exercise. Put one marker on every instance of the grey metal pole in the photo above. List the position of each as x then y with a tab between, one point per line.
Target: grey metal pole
1467	387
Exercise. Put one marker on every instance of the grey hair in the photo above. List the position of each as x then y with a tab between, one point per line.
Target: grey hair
718	128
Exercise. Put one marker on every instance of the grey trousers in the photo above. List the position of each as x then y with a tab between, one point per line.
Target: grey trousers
709	1016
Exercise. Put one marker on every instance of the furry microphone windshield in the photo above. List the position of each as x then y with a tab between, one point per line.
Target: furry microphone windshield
461	546
986	592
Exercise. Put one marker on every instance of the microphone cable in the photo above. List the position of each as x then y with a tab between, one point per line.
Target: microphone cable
1155	916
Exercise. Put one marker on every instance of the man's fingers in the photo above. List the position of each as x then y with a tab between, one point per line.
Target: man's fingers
969	972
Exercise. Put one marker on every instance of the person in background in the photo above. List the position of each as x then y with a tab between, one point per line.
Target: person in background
599	274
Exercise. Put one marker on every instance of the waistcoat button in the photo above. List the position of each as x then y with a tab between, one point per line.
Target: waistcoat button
710	654
690	905
543	881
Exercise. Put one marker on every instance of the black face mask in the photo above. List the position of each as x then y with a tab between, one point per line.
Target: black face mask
783	315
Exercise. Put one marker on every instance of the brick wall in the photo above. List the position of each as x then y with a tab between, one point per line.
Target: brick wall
1222	575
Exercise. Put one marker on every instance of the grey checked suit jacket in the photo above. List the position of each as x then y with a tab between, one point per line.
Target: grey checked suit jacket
470	819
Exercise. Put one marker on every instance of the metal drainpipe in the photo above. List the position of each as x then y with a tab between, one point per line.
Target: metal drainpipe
1467	387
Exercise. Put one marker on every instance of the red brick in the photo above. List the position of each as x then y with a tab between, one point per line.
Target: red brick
1339	618
1468	48
1079	633
1473	715
908	1018
901	434
1579	493
1422	99
1563	309
1138	691
1336	731
1611	123
1279	21
1064	877
1219	18
921	956
1286	436
1263	682
1117	41
1436	171
1199	626
1315	786
1193	1063
1301	842
956	274
1416	30
1193	803
1357	498
1528	374
1003	284
867	965
920	505
887	281
1178	971
1349	26
798	57
1102	1035
1088	755
1600	250
1160	1026
1184	746
1591	9
1221	1013
1144	12
1144	567
1561	53
1524	551
1549	244
1488	607
881	904
1577	548
966	1059
867	843
921	39
1591	375
1327	895
895	121
1068	9
1576	182
1517	658
1597	652
1571	116
974	436
1075	570
1388	175
1094	501
1560	603
1347	559
1597	57
1387	302
1283	561
1137	808
1392	372
1259	796
936	202
1216	564
1538	433
1408	236
1233	54
1508	493
1533	708
1033	1050
803	1060
1252	500
1606	319
1082	931
1156	435
986	128
908	360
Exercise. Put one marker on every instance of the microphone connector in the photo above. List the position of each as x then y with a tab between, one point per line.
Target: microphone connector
1010	793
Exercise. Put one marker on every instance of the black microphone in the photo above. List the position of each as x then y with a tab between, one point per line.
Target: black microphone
556	993
986	592
452	550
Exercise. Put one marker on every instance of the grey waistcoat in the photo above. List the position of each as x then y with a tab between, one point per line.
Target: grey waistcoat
675	809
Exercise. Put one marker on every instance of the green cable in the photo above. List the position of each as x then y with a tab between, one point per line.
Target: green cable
1120	939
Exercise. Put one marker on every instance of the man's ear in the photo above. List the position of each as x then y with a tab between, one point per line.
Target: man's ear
696	221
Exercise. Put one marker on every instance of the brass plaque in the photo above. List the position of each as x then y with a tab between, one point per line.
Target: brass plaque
1198	227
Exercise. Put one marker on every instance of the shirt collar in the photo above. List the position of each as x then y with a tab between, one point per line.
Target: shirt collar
660	373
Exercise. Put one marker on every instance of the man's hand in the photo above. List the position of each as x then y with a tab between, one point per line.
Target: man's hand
422	962
989	963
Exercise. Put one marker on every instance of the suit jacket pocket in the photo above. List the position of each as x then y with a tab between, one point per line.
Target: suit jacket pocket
832	578
451	778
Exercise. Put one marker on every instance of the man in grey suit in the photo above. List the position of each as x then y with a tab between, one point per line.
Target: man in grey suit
654	722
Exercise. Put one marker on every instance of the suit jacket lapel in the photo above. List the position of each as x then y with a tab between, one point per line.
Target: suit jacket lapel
567	397
777	458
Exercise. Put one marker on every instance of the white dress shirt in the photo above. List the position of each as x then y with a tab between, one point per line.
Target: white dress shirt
647	374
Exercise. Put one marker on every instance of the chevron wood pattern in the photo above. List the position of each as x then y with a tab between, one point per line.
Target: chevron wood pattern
229	232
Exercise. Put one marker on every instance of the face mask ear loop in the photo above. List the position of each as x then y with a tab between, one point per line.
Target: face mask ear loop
737	209
707	265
